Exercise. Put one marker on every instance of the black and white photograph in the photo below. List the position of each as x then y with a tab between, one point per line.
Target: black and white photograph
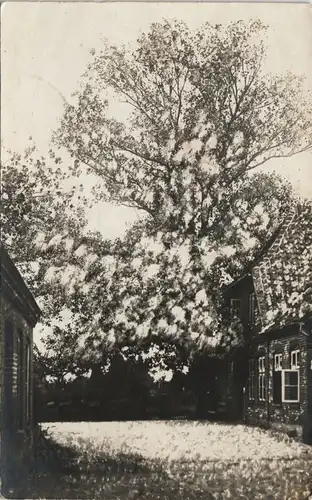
156	251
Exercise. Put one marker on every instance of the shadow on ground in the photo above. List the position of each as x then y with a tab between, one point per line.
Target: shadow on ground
59	472
62	472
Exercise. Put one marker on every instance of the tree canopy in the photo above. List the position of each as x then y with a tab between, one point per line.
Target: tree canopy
197	118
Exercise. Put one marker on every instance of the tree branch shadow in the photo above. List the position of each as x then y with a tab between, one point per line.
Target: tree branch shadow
60	471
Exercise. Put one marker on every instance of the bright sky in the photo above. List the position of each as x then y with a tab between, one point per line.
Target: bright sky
45	49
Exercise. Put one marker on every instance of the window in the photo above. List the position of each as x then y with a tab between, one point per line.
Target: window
8	375
236	307
261	378
277	378
294	359
252	380
278	362
290	386
251	308
20	380
27	381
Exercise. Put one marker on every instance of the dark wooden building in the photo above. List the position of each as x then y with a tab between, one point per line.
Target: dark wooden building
19	315
271	375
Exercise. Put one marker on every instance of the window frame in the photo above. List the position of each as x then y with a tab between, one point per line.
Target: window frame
278	365
284	400
277	377
261	378
295	353
20	379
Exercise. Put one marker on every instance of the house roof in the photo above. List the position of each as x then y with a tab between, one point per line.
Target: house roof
282	276
15	290
257	258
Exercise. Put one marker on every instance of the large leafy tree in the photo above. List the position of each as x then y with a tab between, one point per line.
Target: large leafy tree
199	117
43	225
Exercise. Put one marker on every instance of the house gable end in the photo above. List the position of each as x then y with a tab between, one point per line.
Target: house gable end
283	277
243	290
15	291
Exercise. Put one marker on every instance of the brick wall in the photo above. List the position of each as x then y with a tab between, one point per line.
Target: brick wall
281	414
16	444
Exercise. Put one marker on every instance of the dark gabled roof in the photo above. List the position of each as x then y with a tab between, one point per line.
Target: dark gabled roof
14	289
282	271
261	252
283	275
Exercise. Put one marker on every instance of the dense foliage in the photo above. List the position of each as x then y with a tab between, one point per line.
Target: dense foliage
199	117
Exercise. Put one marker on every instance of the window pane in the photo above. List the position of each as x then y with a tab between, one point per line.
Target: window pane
261	394
279	362
294	358
291	393
291	378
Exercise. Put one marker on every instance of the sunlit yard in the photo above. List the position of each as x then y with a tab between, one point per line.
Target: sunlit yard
177	459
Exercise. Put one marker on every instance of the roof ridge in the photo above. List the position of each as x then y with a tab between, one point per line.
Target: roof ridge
284	233
275	240
276	237
8	266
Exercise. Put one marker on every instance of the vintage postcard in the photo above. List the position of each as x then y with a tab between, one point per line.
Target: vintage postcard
156	251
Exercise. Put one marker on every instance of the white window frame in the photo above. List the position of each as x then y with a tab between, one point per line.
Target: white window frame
278	362
284	400
261	376
294	365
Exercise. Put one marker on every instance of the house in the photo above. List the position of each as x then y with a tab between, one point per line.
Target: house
271	375
19	314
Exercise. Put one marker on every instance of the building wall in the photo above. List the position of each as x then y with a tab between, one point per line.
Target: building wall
16	440
242	290
281	415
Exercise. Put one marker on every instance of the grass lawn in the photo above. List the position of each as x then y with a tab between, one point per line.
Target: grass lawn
172	460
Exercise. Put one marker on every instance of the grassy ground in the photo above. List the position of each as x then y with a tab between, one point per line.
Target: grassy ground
169	461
